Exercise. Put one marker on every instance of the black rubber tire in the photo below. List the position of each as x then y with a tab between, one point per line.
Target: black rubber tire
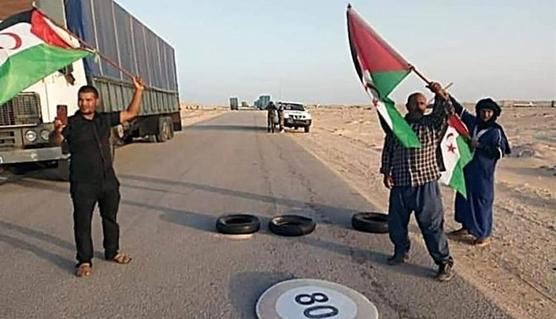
238	224
291	225
307	128
370	222
165	128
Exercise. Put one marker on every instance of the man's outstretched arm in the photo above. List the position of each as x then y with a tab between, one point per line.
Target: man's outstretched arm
135	105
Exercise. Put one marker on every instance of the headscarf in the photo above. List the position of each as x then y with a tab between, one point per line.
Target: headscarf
490	104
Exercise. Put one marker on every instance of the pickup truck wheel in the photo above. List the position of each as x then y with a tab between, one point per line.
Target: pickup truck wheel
238	224
291	225
307	129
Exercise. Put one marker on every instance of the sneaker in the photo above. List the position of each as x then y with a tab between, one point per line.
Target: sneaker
397	259
445	272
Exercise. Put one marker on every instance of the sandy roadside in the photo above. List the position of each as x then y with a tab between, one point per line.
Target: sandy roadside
518	271
191	114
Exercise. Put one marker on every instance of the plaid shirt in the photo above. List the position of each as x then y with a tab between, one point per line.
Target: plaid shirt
417	166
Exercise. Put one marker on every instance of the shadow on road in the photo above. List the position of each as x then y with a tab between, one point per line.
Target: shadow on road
37	235
180	217
363	256
61	262
246	288
323	213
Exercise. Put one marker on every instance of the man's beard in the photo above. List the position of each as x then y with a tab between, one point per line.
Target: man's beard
414	116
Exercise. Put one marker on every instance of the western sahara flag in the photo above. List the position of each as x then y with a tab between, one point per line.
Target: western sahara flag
32	47
456	154
380	70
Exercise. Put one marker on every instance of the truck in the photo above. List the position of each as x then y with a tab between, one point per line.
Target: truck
234	105
26	121
262	102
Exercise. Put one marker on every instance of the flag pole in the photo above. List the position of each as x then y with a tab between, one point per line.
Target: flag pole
87	45
453	119
419	74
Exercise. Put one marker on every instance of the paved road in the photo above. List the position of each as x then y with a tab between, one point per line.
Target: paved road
171	196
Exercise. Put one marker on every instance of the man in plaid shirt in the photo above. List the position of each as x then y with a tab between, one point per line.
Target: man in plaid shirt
412	175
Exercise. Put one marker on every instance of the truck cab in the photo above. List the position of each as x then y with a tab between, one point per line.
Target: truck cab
26	120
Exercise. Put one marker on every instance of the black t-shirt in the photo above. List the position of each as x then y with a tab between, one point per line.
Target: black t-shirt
89	146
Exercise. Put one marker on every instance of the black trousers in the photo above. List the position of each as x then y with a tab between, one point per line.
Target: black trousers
85	196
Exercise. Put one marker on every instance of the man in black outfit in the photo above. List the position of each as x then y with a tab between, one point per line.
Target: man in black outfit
92	177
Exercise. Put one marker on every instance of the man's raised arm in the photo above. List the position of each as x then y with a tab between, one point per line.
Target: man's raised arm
134	106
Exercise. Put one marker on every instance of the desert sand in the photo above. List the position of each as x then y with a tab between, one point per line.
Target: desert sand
192	113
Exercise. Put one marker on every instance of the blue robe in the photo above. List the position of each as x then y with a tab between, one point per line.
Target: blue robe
475	212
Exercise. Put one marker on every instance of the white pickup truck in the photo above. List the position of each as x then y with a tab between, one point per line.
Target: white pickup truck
295	115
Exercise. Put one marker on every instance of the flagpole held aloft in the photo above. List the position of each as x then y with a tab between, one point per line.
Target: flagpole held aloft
453	120
419	74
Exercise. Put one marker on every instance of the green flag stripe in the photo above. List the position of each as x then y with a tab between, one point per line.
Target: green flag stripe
401	128
385	82
457	181
27	67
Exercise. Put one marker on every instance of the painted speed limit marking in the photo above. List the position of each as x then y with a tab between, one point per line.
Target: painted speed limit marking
313	299
315	302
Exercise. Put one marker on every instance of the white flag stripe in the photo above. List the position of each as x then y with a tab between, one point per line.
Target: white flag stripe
450	154
10	36
381	108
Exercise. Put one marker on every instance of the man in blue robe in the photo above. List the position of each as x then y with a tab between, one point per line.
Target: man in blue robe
490	144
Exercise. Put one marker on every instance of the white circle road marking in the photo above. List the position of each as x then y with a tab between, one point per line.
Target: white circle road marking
313	299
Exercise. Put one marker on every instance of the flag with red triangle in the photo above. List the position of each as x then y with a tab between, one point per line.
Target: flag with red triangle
31	48
380	69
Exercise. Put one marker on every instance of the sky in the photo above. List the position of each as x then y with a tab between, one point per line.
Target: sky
297	50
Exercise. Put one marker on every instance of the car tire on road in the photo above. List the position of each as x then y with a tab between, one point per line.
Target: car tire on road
291	225
307	129
370	222
238	224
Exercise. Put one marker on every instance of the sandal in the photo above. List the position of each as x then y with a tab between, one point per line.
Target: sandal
121	259
83	270
482	242
460	232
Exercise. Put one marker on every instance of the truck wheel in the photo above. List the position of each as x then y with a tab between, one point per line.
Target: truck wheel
164	130
171	124
307	129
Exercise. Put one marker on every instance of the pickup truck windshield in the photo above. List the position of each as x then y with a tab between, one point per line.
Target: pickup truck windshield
294	107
